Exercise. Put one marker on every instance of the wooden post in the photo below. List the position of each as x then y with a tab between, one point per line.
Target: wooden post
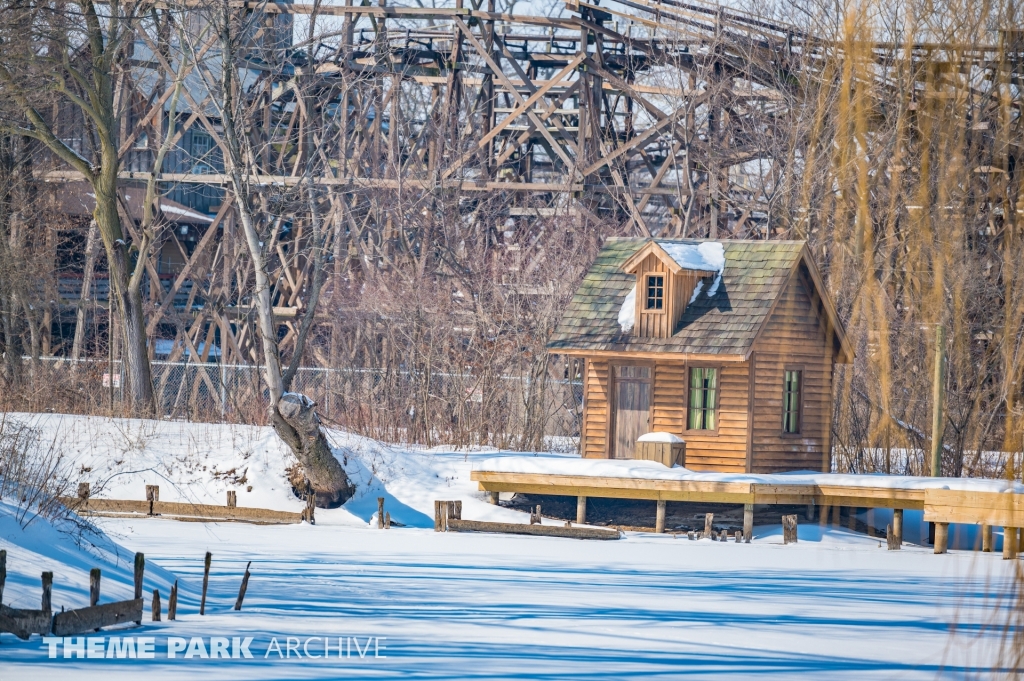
723	535
941	537
748	522
172	602
738	537
938	393
492	498
892	540
47	591
437	516
380	513
823	514
986	538
709	519
1009	543
232	499
836	514
83	490
897	526
156	605
871	522
659	521
206	581
810	511
140	571
789	529
243	587
387	520
94	586
152	495
581	510
3	572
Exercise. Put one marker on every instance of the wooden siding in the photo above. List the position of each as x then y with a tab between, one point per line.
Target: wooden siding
724	450
596	408
794	338
653	324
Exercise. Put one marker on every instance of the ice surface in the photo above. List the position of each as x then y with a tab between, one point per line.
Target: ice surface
472	606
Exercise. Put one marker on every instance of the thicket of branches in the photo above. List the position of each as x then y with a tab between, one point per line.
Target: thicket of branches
889	145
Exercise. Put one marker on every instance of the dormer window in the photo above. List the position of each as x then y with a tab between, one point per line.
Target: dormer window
655	292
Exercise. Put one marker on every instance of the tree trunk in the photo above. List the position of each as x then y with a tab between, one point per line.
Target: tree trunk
296	423
127	300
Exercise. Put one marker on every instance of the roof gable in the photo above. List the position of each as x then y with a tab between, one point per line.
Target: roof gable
755	274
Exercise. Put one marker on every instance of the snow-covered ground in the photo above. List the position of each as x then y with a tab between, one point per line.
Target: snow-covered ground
417	604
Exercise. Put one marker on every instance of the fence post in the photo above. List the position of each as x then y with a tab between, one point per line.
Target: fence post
223	380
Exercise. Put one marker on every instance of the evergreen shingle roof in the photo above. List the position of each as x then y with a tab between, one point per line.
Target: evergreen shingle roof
755	275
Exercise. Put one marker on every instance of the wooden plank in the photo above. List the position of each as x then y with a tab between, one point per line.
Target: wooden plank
172	508
24	623
981	508
91	618
537	530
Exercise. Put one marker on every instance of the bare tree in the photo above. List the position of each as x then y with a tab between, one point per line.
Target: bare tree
70	57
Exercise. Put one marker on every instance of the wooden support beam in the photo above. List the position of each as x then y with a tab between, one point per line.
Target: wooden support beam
941	537
659	522
581	510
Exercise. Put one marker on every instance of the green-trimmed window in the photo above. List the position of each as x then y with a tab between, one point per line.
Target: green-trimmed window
655	292
791	402
703	394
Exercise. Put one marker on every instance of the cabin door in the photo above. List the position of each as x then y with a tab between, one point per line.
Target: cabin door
632	408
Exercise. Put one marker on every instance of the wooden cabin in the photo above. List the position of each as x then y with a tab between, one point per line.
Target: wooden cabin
728	345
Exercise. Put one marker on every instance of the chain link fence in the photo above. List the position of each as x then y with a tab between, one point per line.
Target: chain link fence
396	405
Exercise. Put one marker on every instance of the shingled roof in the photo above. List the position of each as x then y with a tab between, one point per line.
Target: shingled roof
756	272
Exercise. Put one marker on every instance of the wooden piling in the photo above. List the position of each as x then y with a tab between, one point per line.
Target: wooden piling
748	522
723	535
94	586
709	519
789	529
823	514
152	496
156	605
172	602
380	513
941	537
437	516
581	510
232	499
84	490
243	587
892	542
492	498
387	520
47	580
3	572
206	581
871	522
140	571
1010	547
986	538
897	527
836	514
659	520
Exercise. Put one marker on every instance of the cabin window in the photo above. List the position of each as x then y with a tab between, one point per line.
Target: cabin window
791	401
703	394
655	292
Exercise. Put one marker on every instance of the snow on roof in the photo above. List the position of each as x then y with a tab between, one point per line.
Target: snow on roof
627	313
708	256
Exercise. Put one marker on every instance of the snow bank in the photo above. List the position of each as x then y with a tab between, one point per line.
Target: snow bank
627	313
652	470
69	552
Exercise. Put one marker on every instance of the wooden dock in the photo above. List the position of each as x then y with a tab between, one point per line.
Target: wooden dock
939	505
